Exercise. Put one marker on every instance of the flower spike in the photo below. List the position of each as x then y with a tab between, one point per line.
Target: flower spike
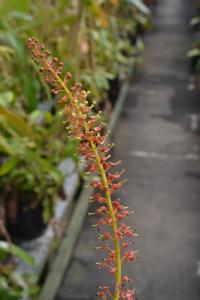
89	130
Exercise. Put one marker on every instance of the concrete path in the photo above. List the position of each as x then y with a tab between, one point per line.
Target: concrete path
162	158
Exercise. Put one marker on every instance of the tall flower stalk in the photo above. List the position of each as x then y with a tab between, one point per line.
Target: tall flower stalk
82	123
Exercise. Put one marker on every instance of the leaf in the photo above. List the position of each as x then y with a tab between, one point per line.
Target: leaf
140	6
35	116
100	13
8	165
18	252
140	44
30	90
71	148
16	122
16	44
56	176
5	146
18	280
195	21
29	85
6	98
13	5
5	50
22	16
194	52
3	283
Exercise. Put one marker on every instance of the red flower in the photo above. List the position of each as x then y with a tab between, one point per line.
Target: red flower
104	291
99	198
126	279
129	256
113	270
117	205
106	235
97	184
128	294
125	245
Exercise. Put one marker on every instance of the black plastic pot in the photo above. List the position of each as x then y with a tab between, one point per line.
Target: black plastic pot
24	219
114	87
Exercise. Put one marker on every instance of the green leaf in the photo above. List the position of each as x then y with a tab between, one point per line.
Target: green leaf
140	44
5	147
195	21
14	5
140	6
22	16
35	115
17	251
16	122
71	148
6	98
8	165
3	283
6	49
194	52
16	44
30	90
56	176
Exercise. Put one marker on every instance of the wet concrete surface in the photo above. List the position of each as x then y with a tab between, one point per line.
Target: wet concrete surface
162	158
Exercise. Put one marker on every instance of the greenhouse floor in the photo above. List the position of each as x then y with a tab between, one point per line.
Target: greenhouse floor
157	139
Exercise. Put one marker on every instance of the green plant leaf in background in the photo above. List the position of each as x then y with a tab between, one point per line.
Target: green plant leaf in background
16	122
8	165
28	85
5	147
140	6
195	21
18	252
7	6
5	50
7	99
194	52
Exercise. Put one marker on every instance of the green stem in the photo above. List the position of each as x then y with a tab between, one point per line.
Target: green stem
107	194
114	223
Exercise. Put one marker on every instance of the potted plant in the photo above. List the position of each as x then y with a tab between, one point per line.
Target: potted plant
30	176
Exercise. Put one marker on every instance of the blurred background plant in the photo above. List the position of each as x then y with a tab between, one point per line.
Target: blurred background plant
93	38
30	163
194	53
13	284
